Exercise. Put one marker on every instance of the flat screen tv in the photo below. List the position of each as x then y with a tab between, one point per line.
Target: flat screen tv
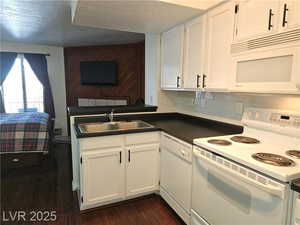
99	72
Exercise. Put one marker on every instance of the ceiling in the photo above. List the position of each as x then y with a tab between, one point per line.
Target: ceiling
49	23
140	16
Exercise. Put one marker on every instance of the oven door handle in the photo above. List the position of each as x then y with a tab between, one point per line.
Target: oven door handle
235	176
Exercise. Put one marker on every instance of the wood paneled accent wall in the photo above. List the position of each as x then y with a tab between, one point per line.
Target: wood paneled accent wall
131	72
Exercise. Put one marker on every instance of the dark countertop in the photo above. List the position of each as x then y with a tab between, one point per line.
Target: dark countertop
181	126
296	185
189	129
90	110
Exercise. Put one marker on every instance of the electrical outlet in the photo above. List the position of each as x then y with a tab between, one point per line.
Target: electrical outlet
209	96
200	99
203	103
239	108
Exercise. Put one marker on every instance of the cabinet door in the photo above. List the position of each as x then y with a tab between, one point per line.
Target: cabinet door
195	53
290	14
102	176
220	26
172	57
256	18
142	168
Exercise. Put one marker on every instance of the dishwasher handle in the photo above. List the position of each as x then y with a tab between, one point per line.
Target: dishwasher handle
235	176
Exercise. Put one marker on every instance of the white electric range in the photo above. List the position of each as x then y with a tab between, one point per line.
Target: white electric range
245	179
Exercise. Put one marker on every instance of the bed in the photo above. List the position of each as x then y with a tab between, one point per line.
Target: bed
23	137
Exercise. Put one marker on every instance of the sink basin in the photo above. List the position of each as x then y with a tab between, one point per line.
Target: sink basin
88	128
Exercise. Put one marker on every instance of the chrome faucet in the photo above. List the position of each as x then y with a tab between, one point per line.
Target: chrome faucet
111	116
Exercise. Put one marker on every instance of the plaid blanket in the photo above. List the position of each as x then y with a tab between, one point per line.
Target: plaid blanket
24	132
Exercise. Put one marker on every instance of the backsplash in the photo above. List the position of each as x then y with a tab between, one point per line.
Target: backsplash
225	105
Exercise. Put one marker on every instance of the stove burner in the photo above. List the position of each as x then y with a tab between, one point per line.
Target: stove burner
272	159
294	153
219	142
245	140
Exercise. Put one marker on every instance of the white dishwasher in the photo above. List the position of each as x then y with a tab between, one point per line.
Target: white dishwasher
176	175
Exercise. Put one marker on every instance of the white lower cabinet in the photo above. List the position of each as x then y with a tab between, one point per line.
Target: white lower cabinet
102	173
142	169
114	168
176	174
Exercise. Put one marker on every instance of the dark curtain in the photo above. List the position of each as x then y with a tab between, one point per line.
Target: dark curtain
38	64
7	60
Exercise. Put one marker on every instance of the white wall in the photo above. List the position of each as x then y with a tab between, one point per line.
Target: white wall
219	106
153	95
56	71
151	67
225	106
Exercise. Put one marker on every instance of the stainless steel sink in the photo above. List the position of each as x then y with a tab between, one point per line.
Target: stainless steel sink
88	128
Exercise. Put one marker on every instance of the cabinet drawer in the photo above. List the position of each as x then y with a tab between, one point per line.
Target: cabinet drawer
142	138
178	147
101	142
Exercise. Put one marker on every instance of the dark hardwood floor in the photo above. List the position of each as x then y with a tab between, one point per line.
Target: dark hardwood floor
48	189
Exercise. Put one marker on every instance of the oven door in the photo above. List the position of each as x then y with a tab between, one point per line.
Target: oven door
222	195
296	209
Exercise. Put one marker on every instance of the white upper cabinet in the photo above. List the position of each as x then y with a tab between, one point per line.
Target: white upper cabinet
256	18
194	53
172	57
240	45
260	18
220	26
142	168
290	14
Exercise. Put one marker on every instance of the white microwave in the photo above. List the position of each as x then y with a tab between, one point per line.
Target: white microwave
275	70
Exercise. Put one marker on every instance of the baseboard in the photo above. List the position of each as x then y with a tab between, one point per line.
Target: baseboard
86	209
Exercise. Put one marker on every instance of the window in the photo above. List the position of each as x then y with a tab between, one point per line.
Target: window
22	91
